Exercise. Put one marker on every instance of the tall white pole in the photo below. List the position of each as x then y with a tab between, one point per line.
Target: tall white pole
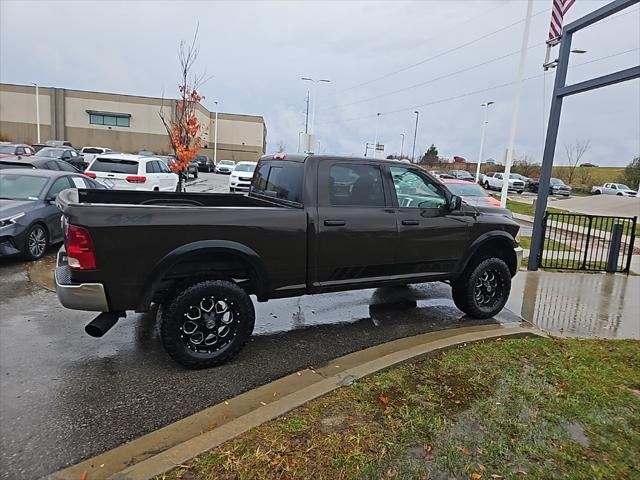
375	142
401	146
484	126
516	106
215	138
37	110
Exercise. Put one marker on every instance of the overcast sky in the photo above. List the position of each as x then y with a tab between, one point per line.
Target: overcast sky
257	52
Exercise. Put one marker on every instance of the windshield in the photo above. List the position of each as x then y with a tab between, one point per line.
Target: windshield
466	189
15	186
7	149
51	152
556	181
622	186
114	165
245	167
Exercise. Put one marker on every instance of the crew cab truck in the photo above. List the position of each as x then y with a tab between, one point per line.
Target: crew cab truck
618	189
494	181
309	224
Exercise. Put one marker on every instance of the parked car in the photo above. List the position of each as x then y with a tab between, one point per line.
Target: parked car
225	166
67	154
471	193
36	161
462	175
38	146
29	218
310	224
240	178
89	153
556	186
19	149
146	153
494	181
518	176
619	189
123	171
205	164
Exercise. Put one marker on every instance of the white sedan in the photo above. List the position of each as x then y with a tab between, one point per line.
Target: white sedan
240	178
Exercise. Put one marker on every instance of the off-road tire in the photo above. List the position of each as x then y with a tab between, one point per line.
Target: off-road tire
174	333
474	292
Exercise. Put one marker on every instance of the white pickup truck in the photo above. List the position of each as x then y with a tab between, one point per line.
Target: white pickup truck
493	181
619	189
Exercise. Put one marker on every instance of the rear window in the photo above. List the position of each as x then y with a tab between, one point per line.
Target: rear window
92	150
281	180
114	165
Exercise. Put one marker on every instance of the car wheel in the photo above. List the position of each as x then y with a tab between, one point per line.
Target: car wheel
231	190
207	323
597	192
36	242
486	185
483	289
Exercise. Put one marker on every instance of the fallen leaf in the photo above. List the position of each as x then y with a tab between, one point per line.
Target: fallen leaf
263	404
83	475
522	472
482	467
388	411
275	394
392	472
352	418
464	450
225	417
475	476
226	403
299	374
212	426
384	399
457	402
495	476
428	448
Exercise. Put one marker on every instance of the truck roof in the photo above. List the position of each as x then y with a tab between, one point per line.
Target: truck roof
302	157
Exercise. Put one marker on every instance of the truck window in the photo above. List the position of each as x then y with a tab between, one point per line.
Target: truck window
281	180
355	185
414	191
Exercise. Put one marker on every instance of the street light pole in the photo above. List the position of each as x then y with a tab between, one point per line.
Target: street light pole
215	138
299	133
415	134
37	110
375	142
484	126
401	145
314	99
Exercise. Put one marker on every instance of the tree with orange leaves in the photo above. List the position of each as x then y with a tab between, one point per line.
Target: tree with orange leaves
184	129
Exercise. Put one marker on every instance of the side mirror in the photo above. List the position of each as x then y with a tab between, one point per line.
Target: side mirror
455	202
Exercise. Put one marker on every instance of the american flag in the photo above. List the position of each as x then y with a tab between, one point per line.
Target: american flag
560	8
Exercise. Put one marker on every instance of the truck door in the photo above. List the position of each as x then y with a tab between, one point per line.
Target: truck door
356	227
431	239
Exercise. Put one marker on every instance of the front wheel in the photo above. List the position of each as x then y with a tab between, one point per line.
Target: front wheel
207	323
486	185
483	289
36	242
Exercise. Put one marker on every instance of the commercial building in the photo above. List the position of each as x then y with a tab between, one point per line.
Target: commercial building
124	123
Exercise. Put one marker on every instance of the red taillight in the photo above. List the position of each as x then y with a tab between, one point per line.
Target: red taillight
80	252
90	174
136	179
279	156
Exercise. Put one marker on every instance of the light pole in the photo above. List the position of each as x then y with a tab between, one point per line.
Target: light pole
375	142
313	105
401	145
484	126
215	138
37	110
415	134
299	133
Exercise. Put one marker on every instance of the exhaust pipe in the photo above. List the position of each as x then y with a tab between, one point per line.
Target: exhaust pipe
103	323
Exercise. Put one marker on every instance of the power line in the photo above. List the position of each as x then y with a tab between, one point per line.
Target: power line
487	89
438	55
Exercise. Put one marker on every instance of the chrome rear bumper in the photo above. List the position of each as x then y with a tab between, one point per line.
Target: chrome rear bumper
78	296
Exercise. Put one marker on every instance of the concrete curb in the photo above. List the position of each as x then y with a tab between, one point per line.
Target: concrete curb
175	444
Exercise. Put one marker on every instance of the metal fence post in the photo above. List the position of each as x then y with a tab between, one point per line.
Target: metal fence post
633	239
614	248
586	244
539	258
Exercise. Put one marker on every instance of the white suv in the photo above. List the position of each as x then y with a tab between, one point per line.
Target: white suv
122	171
90	153
240	178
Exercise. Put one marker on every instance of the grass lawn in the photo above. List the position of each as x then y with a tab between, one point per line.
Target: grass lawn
549	244
534	407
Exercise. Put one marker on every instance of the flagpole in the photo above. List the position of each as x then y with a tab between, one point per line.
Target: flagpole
516	105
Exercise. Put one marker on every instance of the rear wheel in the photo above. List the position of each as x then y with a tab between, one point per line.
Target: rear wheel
619	194
486	185
597	192
207	323
483	288
36	242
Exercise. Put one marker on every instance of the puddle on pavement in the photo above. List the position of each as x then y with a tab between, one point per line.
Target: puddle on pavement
417	303
576	304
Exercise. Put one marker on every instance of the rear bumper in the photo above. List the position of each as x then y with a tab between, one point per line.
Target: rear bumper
78	296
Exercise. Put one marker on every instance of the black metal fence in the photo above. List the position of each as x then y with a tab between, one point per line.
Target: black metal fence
574	241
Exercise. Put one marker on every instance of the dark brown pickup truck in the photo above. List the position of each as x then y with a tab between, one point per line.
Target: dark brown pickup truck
310	224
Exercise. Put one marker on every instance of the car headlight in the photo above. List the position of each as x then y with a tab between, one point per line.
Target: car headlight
5	222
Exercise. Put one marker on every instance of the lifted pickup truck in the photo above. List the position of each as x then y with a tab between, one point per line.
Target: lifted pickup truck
310	224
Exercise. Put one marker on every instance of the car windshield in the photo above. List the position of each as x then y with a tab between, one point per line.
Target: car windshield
226	162
556	181
466	189
51	152
15	186
464	174
245	167
622	186
516	176
114	165
7	149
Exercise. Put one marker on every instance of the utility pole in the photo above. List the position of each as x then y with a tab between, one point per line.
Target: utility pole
314	101
484	126
306	119
375	142
37	110
401	145
516	105
415	134
215	137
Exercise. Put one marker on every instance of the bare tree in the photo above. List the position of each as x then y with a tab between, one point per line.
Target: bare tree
525	165
575	152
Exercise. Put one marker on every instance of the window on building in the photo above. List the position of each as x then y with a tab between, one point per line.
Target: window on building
109	119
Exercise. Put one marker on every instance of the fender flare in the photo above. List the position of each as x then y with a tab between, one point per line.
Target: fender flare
488	237
259	271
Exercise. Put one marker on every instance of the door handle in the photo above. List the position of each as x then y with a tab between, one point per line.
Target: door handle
410	222
334	223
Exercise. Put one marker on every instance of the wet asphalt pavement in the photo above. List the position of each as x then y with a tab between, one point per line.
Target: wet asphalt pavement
65	396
